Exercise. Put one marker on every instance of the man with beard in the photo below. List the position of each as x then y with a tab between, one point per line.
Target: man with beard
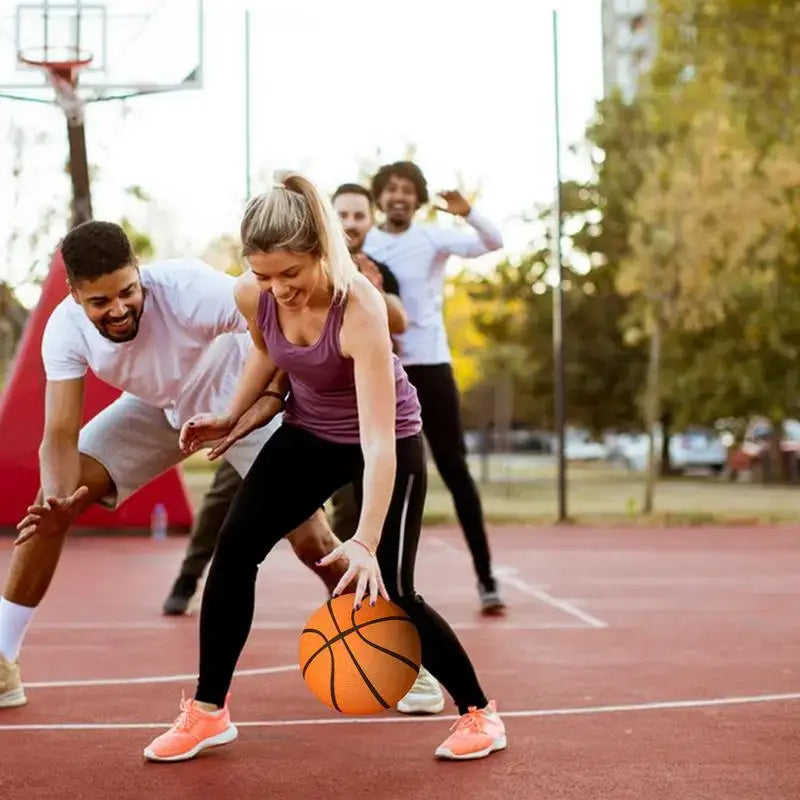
353	203
172	339
418	254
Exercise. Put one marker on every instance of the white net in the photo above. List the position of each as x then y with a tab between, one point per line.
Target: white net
66	96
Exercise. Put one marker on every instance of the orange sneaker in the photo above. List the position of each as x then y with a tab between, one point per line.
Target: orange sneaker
476	734
194	730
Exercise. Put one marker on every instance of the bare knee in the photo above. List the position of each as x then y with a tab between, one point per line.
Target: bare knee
313	539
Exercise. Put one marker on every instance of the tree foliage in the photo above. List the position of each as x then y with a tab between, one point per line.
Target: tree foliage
690	220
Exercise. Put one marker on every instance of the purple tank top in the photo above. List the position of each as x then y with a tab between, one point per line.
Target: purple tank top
322	381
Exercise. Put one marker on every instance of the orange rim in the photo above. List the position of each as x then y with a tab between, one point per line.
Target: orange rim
63	63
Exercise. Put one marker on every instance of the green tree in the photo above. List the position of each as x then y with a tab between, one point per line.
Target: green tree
511	312
697	222
750	50
715	217
748	356
142	243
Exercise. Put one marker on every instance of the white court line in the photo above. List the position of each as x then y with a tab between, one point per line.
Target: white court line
276	626
559	626
510	575
242	673
542	712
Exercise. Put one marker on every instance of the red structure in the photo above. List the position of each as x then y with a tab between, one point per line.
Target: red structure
22	421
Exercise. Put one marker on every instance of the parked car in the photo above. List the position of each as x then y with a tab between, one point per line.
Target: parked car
579	446
694	448
752	455
518	440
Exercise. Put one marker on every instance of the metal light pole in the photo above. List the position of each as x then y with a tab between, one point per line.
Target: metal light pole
558	301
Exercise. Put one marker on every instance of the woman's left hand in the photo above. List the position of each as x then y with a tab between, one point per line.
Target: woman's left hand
362	567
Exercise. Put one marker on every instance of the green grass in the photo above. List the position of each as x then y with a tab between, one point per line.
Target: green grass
524	490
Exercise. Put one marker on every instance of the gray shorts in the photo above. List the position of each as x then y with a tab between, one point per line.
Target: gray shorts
135	443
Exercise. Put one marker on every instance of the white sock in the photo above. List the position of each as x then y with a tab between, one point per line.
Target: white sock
14	621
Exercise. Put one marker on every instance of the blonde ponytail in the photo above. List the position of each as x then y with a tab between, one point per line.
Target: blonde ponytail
295	216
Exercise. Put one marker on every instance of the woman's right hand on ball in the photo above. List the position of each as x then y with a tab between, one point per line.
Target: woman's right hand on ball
362	567
202	429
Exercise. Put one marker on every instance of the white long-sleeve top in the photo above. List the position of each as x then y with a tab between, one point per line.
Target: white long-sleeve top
417	257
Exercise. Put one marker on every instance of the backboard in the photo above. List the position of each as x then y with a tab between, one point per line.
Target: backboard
136	46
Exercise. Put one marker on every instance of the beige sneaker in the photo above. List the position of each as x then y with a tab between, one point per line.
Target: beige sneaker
424	697
11	692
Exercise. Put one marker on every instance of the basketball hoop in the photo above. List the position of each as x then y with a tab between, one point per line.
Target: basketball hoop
62	65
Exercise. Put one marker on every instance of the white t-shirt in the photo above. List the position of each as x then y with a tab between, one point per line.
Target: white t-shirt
417	257
187	356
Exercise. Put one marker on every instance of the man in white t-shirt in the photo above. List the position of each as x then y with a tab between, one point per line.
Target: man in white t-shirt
417	255
171	338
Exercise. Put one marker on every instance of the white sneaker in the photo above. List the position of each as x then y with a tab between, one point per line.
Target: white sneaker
424	697
11	692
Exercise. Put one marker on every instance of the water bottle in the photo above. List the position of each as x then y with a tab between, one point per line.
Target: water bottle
158	522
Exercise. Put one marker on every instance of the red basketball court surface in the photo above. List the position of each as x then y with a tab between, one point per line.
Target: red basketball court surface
643	665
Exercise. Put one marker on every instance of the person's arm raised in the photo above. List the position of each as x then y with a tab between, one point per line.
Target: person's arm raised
484	237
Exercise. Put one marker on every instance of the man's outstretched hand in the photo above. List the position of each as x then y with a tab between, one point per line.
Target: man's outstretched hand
51	517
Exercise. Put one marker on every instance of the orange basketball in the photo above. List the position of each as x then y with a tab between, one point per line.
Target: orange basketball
359	662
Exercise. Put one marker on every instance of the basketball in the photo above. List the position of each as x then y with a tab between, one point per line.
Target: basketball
359	662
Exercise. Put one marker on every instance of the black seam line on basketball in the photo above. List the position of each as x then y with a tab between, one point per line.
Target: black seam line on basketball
375	693
341	635
367	681
333	661
333	664
333	681
324	639
407	661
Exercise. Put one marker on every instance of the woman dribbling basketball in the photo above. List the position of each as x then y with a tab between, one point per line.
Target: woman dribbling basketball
351	416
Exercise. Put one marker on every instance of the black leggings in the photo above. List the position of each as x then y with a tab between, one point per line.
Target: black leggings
441	422
293	475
